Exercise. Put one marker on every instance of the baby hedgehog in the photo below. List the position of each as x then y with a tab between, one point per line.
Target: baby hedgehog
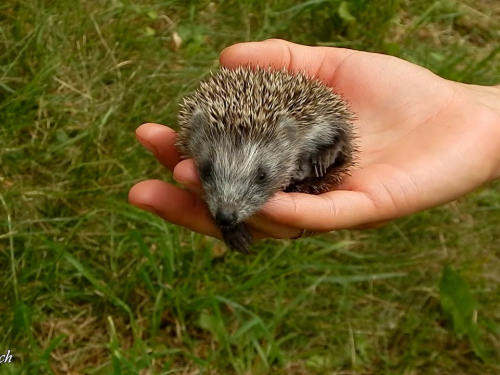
253	132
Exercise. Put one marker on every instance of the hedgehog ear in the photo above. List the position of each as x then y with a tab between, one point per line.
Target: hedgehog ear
199	120
289	127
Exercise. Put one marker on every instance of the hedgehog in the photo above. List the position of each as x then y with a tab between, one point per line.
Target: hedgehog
255	131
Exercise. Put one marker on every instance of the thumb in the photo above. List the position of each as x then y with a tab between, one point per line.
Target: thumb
341	209
320	62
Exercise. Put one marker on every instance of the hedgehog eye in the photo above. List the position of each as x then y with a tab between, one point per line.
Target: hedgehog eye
205	171
261	176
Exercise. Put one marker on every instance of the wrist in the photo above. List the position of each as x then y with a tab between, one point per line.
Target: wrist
492	101
494	104
484	102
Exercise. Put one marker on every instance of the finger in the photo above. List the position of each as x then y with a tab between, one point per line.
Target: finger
185	173
326	212
177	206
159	139
320	62
271	229
174	205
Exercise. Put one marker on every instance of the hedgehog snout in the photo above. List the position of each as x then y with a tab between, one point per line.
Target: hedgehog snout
226	216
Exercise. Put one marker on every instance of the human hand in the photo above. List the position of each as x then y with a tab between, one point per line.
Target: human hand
423	141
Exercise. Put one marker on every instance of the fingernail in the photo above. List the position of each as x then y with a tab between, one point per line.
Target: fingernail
146	207
148	146
190	186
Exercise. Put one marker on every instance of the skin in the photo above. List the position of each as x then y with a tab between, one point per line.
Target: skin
424	141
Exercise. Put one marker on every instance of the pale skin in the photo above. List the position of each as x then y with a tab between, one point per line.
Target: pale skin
424	141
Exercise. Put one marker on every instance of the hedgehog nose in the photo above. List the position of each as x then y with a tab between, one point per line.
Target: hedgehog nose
226	217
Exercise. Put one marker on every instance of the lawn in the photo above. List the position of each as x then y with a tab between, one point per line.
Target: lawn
92	285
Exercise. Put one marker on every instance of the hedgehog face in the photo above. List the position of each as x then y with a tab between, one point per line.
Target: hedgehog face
239	172
237	182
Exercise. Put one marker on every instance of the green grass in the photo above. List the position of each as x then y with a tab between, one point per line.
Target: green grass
92	285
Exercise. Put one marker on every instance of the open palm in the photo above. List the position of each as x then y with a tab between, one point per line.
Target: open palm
423	141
